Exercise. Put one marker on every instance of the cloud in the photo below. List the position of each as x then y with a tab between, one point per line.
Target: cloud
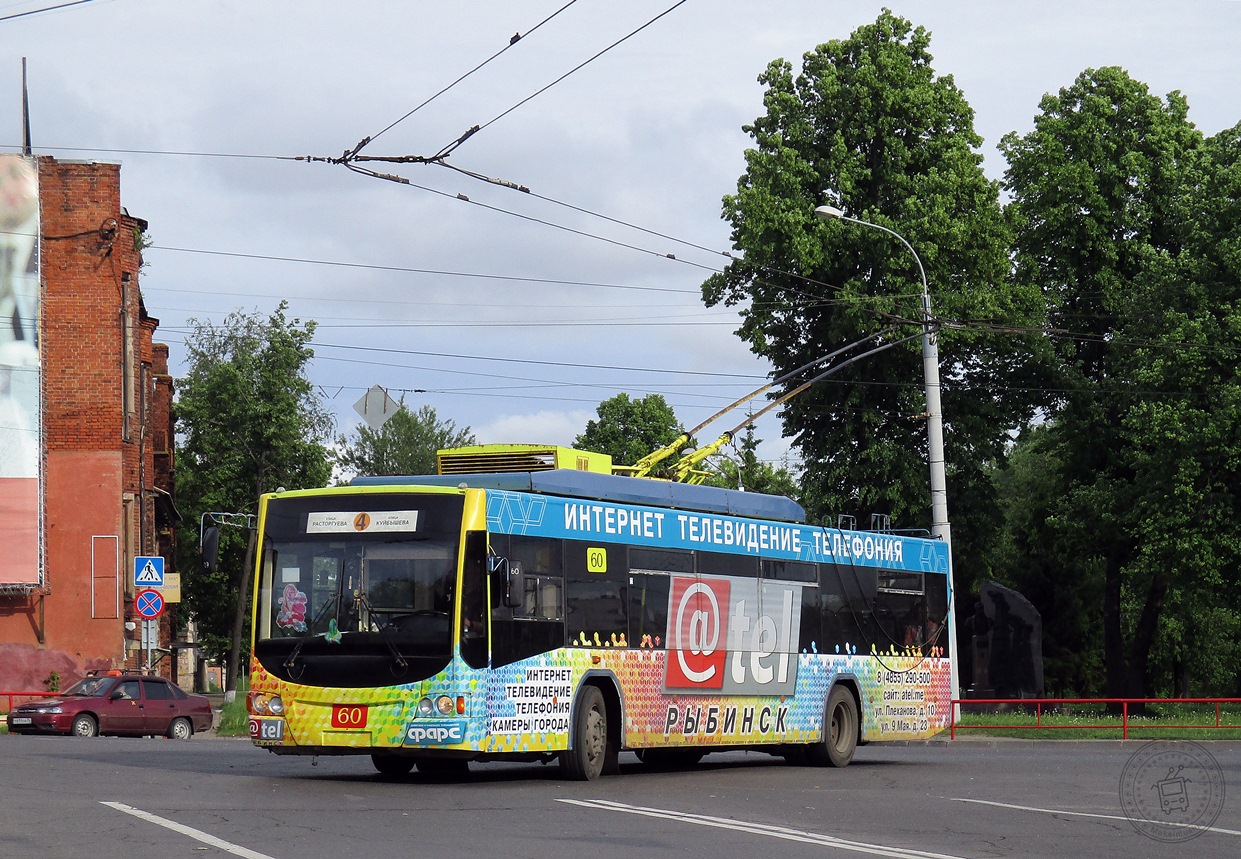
541	427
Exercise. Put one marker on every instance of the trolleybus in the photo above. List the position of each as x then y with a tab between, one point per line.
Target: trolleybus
569	615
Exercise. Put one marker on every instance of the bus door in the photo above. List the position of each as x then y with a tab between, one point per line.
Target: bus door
527	597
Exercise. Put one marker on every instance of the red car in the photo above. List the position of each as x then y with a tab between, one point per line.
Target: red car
114	702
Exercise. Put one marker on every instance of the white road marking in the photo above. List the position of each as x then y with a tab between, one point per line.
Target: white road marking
798	835
236	850
1217	829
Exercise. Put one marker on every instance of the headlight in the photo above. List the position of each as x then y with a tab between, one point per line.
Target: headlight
425	707
445	705
275	705
258	703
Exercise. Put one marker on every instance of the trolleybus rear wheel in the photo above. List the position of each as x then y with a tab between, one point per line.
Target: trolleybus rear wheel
840	730
584	759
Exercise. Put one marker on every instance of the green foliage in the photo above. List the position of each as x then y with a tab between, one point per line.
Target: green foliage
249	421
1128	223
234	720
1093	722
405	444
1030	557
1102	194
746	471
630	429
868	126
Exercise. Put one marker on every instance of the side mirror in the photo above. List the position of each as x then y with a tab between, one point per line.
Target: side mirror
210	549
508	577
515	592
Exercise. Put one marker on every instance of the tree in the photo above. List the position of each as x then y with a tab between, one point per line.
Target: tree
405	444
752	474
1031	553
1095	189
1181	436
630	429
248	422
868	126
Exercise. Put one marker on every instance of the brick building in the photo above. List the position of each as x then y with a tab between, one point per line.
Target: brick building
86	408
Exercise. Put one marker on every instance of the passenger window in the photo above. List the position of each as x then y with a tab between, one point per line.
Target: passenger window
157	690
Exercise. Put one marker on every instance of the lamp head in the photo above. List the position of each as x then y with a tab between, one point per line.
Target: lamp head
828	213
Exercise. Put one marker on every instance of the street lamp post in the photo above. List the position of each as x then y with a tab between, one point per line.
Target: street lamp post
934	429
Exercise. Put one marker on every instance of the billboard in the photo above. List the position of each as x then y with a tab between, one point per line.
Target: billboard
20	459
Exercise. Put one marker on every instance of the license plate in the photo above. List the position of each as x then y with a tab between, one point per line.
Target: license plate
267	730
21	720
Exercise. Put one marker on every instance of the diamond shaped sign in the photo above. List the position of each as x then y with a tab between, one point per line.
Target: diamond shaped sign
376	407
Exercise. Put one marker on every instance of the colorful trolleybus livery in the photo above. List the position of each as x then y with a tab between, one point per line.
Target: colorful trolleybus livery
430	621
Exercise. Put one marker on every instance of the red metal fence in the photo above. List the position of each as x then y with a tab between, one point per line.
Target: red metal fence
9	696
1042	705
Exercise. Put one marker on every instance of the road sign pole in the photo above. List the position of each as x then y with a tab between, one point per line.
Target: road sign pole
148	632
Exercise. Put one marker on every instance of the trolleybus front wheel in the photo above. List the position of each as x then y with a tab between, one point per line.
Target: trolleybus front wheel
392	765
840	731
584	759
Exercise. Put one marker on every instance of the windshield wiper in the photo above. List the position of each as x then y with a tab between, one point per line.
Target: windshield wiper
385	632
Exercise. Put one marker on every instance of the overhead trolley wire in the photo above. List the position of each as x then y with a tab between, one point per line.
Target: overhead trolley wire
44	9
452	146
513	41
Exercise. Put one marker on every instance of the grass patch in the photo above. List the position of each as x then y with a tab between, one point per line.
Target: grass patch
234	720
1093	722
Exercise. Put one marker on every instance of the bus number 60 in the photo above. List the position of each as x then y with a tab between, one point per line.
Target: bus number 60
348	716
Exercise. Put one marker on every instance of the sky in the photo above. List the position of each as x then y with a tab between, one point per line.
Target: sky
510	313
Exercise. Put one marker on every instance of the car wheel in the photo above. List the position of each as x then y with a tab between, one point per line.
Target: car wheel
84	725
180	729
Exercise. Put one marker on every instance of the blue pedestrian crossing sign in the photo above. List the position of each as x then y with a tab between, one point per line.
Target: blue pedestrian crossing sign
149	572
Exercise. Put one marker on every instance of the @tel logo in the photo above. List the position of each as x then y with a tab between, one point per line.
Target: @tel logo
1172	790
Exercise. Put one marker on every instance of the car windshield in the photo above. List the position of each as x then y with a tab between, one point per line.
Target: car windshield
90	687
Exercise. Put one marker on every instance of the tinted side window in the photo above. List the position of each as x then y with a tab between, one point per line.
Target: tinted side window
661	560
648	609
847	597
650	572
596	585
724	564
937	611
157	690
790	571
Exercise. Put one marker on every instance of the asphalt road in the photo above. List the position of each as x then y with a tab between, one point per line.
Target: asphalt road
154	799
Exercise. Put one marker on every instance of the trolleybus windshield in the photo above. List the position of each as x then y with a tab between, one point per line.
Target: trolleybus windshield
357	580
